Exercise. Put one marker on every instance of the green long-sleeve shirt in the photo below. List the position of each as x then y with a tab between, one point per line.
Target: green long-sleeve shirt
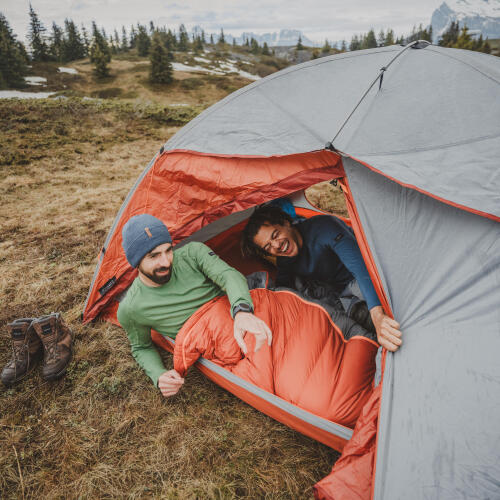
198	275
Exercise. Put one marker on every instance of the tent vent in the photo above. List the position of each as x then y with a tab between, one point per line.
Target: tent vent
420	44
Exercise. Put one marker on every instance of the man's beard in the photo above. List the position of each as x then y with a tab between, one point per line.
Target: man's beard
159	280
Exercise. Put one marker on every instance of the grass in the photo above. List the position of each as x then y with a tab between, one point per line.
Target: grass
104	431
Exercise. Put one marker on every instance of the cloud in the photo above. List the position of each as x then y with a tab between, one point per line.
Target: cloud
318	19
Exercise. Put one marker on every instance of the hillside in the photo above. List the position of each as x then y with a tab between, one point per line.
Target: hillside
104	431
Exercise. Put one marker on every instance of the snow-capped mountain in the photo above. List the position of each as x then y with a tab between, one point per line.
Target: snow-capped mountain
285	37
478	15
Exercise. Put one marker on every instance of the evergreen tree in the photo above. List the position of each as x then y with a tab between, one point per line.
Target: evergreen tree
381	39
36	36
254	46
116	40
265	50
198	44
211	39
85	41
450	36
389	38
100	53
170	43
13	58
183	44
143	41
133	37
486	47
369	40
326	48
161	68
299	45
343	46
355	43
203	38
151	28
56	43
124	42
73	46
221	39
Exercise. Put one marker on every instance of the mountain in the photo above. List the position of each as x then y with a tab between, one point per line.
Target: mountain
285	37
481	16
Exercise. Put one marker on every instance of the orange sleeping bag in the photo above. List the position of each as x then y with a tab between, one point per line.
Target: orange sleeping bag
309	364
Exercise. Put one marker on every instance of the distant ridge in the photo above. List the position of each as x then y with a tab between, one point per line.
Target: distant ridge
481	16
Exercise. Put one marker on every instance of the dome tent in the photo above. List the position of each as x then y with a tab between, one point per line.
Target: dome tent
416	144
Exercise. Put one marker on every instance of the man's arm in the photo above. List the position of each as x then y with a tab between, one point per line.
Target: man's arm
235	285
141	344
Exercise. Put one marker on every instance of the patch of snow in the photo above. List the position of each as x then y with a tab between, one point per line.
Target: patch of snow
482	8
202	59
224	69
16	94
178	104
35	80
71	71
185	67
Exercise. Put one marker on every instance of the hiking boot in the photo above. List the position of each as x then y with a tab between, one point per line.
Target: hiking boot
26	351
361	315
57	342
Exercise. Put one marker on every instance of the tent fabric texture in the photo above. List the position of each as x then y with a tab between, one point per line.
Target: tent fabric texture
413	135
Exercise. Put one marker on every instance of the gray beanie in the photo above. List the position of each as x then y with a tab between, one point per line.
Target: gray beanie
140	235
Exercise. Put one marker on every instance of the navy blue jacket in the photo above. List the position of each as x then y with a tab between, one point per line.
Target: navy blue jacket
330	254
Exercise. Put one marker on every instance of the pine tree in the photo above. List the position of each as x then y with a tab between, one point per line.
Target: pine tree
100	53
183	44
355	43
211	39
124	42
85	41
151	28
143	41
13	58
221	39
56	43
170	43
161	68
369	40
299	45
389	38
381	39
265	50
254	46
325	50
198	44
36	36
450	36
343	47
133	37
73	46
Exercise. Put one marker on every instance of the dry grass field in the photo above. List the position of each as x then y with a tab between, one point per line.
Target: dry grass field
104	431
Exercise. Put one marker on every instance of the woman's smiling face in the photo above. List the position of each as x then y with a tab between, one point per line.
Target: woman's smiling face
279	240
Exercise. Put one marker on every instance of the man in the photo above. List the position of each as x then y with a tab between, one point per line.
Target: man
170	287
321	248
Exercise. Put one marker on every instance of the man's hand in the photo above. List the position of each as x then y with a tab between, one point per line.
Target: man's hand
170	382
388	334
248	322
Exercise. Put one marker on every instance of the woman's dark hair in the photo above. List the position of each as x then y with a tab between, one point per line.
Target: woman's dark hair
265	215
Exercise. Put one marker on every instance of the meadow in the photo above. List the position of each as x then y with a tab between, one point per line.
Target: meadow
104	431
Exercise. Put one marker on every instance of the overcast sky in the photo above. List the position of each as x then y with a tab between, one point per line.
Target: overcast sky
319	19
